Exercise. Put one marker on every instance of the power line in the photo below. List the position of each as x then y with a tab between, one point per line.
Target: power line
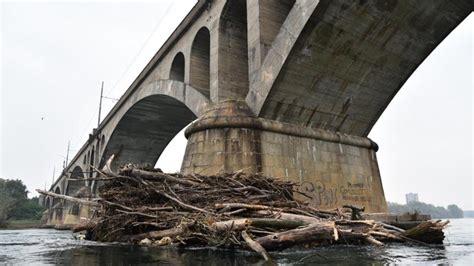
155	28
143	46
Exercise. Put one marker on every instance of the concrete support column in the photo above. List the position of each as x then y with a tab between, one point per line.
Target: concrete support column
333	169
213	147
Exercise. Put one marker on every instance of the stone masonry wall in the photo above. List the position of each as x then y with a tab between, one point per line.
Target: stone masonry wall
333	174
333	169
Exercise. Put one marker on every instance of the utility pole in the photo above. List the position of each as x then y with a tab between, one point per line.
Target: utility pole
67	154
100	103
54	172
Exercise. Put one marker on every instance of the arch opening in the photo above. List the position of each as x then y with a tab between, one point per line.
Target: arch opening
75	188
233	51
57	207
145	130
200	62
171	158
74	185
47	203
177	68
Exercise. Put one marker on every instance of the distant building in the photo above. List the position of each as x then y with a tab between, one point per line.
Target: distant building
411	197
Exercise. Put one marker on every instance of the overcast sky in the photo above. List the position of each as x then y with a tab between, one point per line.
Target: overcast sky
54	56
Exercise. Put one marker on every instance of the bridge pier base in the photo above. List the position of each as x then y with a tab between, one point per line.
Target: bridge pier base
334	169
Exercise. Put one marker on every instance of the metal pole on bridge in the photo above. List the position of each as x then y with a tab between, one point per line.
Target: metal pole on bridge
54	172
100	103
67	154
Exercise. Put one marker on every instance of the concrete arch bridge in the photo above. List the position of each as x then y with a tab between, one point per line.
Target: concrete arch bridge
287	88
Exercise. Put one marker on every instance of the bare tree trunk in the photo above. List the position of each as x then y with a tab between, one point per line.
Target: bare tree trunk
313	233
69	198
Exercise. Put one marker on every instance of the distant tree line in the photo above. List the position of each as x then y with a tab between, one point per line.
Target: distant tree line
469	214
452	211
15	204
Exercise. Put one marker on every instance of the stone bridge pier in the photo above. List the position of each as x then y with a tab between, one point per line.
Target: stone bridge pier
332	168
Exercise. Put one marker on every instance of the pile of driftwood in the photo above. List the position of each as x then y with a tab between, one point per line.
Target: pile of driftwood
232	210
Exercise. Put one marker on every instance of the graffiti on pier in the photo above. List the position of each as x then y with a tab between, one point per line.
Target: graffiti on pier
319	193
354	192
322	195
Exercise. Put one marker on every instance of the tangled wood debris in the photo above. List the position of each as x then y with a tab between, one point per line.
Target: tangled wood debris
231	210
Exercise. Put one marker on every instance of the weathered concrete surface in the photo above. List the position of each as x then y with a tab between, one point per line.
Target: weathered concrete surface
311	79
334	169
350	60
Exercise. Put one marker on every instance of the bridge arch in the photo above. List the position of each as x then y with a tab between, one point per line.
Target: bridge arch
72	186
57	205
151	120
178	67
200	63
47	203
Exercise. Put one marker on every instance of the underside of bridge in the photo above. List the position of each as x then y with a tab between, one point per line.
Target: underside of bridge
351	59
286	88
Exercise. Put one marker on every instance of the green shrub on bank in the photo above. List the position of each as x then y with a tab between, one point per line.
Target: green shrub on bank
14	202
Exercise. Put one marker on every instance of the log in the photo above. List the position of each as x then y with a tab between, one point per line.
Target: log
172	232
139	214
427	232
107	169
140	209
289	216
153	209
356	222
336	233
256	246
69	198
148	223
385	234
238	225
116	205
89	225
234	212
275	223
392	227
244	223
243	205
313	233
373	241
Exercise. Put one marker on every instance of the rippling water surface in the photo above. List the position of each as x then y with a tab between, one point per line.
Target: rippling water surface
47	246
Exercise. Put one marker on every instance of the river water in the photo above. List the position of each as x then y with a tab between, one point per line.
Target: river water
47	246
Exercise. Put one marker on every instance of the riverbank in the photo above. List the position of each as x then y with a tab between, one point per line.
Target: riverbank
22	224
